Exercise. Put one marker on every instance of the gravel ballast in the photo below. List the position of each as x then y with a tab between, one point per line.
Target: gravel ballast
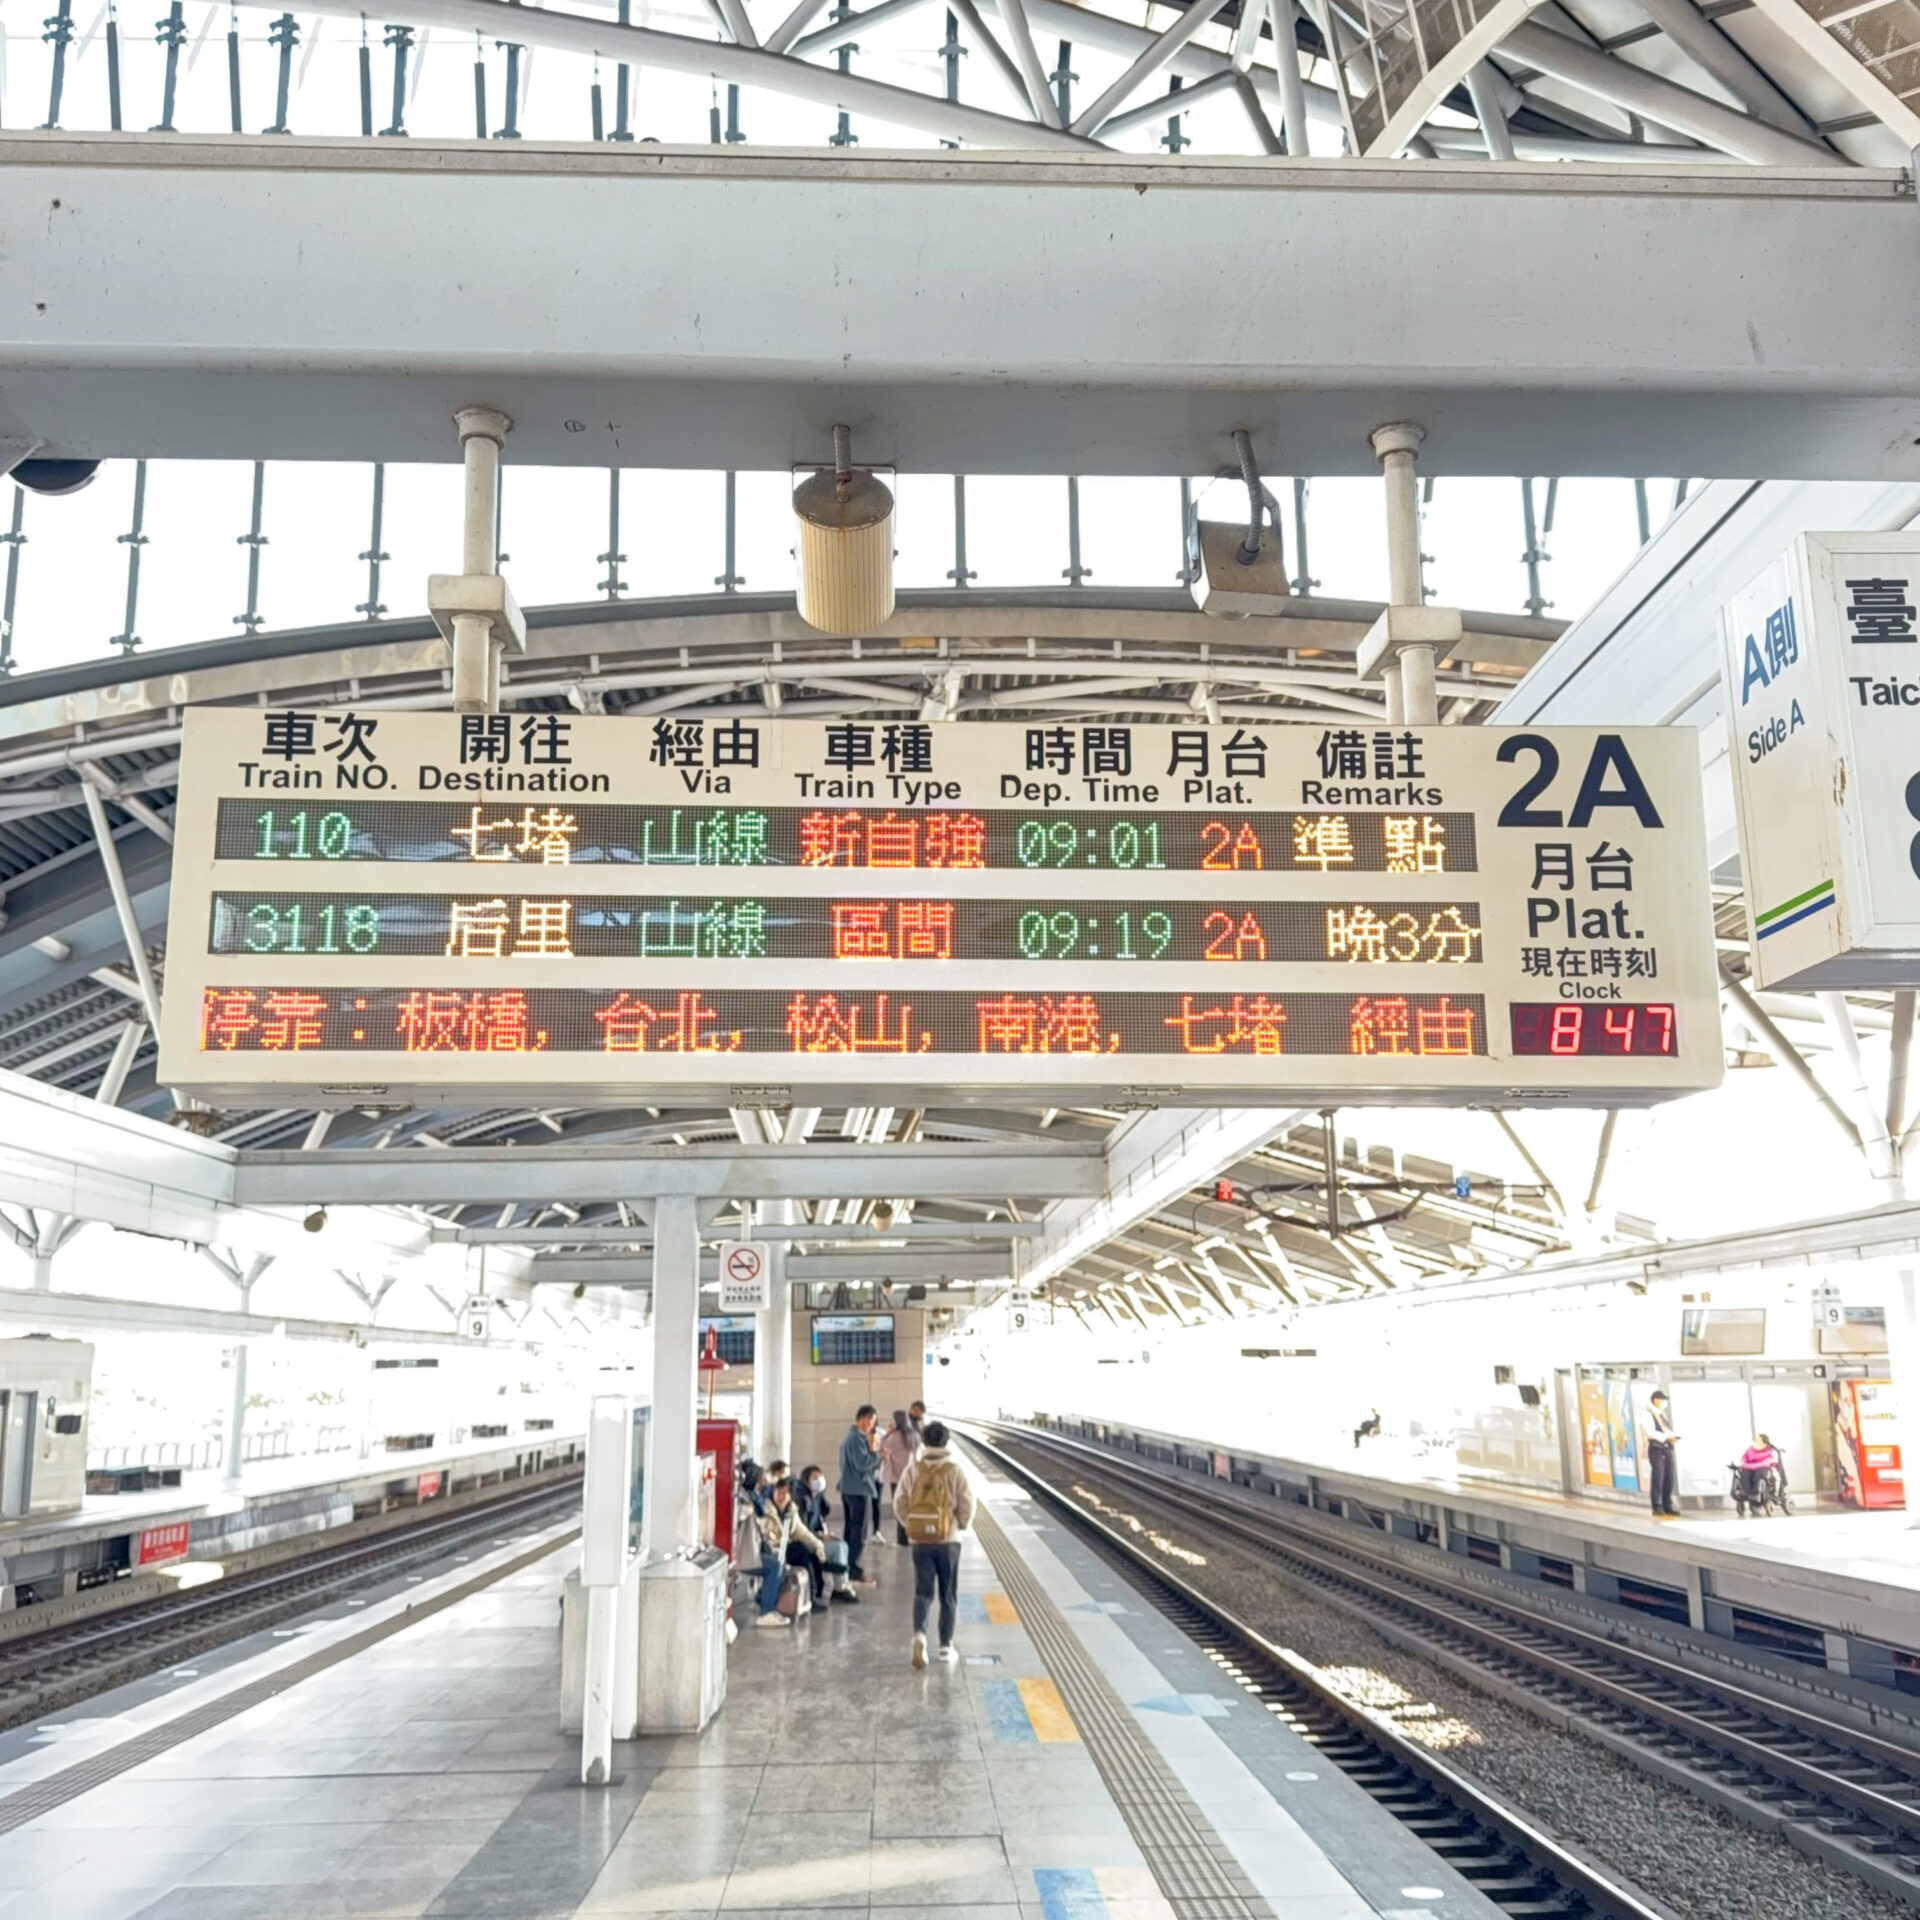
1698	1862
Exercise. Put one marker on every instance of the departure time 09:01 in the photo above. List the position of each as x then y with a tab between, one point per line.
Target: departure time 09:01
1118	843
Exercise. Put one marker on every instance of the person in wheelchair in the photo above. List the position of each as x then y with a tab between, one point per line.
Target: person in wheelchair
1760	1477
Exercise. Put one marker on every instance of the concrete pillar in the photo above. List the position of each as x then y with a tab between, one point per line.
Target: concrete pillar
773	1361
42	1272
237	1418
596	1731
671	1520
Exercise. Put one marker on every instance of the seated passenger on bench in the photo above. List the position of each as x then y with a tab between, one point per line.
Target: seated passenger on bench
785	1541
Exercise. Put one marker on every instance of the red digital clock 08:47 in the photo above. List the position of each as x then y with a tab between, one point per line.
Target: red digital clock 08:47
1617	1028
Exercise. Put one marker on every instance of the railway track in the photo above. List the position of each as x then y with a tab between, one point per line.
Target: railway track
1835	1791
1493	1846
46	1672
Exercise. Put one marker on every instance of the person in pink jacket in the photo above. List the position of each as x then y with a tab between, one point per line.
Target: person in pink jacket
898	1451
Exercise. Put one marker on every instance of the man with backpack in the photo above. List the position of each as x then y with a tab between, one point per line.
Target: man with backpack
934	1504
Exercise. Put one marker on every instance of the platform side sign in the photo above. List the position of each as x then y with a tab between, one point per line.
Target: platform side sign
738	911
1821	659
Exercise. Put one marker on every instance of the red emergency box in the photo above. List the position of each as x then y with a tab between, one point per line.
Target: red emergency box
719	1440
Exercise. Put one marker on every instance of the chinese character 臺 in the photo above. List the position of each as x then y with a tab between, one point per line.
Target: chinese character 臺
1880	612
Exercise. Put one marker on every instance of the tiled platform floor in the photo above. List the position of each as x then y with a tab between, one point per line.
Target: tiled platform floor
427	1777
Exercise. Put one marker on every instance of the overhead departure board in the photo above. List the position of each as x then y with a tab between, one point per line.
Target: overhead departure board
373	907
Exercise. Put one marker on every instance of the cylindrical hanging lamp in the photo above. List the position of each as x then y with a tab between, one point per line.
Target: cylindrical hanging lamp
845	524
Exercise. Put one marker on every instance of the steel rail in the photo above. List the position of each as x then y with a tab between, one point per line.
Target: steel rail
1438	1611
79	1660
1299	1684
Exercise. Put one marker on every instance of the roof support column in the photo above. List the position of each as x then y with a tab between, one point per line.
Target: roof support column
476	650
1411	698
672	1521
773	1352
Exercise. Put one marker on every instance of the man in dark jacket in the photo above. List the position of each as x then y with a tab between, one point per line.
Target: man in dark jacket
859	1488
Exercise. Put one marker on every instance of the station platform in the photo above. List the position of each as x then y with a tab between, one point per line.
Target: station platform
1083	1761
49	1563
1845	1582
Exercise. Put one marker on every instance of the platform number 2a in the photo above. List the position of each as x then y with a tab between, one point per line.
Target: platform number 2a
1610	780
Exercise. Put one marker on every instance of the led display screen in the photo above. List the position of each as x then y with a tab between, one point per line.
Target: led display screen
736	927
694	1020
742	909
852	1340
943	840
1559	1028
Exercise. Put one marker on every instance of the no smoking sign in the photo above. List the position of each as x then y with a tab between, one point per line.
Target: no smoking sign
743	1277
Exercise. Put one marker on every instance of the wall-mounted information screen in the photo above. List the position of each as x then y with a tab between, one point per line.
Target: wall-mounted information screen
476	907
853	1339
733	1337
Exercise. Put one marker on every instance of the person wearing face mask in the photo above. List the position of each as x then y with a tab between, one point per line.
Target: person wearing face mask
815	1511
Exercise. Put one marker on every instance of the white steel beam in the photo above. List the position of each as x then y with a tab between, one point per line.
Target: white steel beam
159	351
963	1230
99	1313
1151	1159
466	1175
908	1269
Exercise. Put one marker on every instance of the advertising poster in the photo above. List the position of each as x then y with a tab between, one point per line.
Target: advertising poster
1594	1445
1846	1443
1621	1440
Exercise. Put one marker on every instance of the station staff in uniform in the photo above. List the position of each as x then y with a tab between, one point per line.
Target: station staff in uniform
1662	1437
